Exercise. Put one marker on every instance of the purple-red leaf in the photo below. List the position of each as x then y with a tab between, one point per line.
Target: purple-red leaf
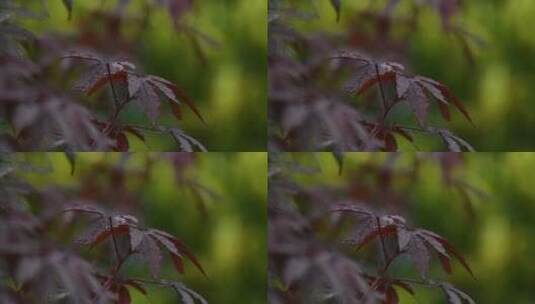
116	231
376	78
182	249
148	100
150	251
450	249
404	237
136	236
419	255
402	85
178	263
378	232
453	99
105	79
417	101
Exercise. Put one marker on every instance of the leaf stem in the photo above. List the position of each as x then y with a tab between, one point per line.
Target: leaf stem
383	98
79	57
427	131
145	281
418	282
116	249
383	247
115	99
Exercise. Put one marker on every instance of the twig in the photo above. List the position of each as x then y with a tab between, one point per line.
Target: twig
427	131
418	282
145	281
383	248
79	57
383	98
115	99
114	241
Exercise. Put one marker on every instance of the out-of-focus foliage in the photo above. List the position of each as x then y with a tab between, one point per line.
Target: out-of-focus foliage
218	58
495	236
495	82
215	203
353	89
497	88
321	234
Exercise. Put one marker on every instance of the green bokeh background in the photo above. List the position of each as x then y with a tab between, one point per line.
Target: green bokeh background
230	241
497	243
229	88
497	90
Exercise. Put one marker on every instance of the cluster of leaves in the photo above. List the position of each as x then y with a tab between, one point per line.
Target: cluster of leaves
314	77
40	111
319	235
41	261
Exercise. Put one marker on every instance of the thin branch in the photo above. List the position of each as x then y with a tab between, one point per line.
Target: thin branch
114	241
388	263
154	282
349	58
85	211
120	264
418	282
118	110
383	247
383	98
426	131
115	115
389	108
79	57
115	99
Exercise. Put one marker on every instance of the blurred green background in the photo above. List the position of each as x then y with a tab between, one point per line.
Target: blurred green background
497	89
497	243
229	87
229	242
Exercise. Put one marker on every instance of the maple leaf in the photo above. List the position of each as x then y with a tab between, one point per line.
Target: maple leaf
453	142
423	87
371	226
146	242
342	127
454	295
186	142
416	91
416	243
188	296
368	71
447	246
419	254
103	226
70	274
100	72
146	90
176	247
150	251
67	126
